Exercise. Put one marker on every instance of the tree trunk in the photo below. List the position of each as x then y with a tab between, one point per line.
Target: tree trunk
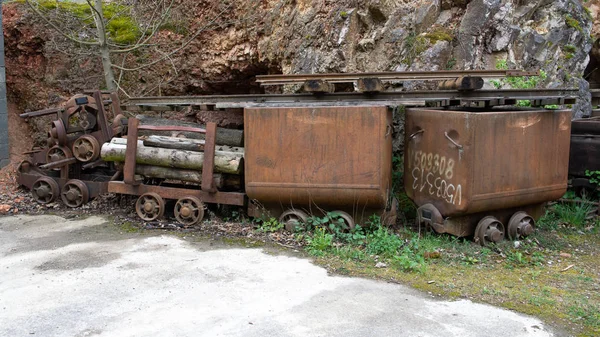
196	145
222	181
225	162
229	137
109	75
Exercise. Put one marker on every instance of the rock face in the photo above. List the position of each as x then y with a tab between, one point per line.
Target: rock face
302	36
348	36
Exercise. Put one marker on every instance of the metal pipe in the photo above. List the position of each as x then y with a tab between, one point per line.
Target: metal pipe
59	163
41	112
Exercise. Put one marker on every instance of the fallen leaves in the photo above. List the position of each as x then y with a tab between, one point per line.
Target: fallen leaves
4	209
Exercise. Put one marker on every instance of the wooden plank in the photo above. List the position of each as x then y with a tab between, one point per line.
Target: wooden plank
209	158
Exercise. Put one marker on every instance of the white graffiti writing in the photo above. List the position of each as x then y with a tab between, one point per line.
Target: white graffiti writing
433	174
433	162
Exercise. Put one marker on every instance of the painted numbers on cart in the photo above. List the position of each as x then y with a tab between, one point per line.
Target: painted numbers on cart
433	174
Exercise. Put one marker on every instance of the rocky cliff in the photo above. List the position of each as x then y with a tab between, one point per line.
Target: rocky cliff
348	36
319	36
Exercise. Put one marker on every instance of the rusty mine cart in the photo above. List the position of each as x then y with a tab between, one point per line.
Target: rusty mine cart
485	174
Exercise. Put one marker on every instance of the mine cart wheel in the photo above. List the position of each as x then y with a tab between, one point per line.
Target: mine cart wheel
520	225
348	220
75	193
150	206
489	230
292	218
86	148
189	211
45	190
57	153
59	132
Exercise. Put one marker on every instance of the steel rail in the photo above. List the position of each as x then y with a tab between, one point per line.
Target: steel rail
390	97
388	76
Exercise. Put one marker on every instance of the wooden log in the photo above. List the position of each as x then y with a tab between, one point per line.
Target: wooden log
229	137
225	162
463	83
227	181
196	145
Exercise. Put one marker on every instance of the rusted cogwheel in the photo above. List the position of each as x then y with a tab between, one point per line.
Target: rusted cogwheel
57	153
488	230
189	210
150	206
348	220
86	148
75	193
293	218
520	225
45	190
59	132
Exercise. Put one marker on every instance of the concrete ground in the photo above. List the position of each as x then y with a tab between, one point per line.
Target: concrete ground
85	278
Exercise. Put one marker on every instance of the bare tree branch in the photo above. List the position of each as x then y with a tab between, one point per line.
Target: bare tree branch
123	90
185	44
170	60
154	30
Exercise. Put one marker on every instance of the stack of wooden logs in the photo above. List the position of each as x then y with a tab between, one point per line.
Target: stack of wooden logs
179	156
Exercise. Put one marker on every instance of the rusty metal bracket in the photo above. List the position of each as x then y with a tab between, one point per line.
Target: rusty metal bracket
130	153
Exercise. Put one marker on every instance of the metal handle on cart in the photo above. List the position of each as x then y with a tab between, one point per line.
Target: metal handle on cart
460	147
415	134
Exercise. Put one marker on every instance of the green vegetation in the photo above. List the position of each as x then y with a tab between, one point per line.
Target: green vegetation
569	51
123	30
570	48
343	14
588	12
594	177
414	45
518	82
573	214
573	23
270	225
451	63
439	34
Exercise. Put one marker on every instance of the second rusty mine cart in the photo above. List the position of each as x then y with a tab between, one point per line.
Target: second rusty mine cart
485	174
